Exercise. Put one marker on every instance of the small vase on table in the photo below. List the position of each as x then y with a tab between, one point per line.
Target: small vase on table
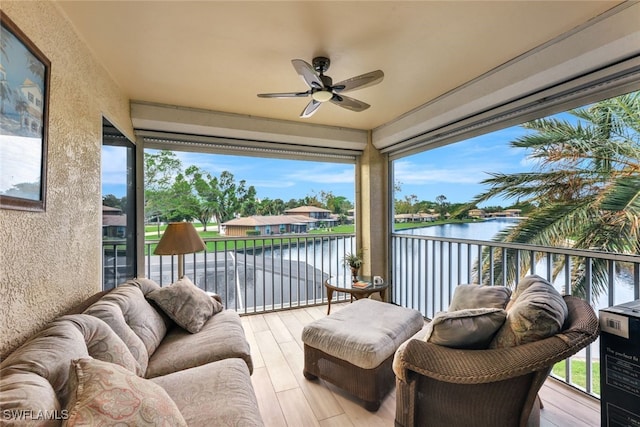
354	274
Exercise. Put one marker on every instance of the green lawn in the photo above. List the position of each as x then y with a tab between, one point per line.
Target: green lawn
153	228
212	233
579	373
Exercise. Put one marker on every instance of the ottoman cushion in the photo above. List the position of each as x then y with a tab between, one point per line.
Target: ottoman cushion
364	333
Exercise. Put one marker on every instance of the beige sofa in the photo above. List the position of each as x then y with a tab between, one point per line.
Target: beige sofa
125	360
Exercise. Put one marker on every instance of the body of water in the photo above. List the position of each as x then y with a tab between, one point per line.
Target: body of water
487	230
484	230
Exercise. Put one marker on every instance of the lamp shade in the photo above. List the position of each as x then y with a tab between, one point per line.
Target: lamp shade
179	238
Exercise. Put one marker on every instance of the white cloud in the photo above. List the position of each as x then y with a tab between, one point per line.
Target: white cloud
272	184
324	174
411	173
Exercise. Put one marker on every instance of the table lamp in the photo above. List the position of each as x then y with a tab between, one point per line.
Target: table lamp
178	239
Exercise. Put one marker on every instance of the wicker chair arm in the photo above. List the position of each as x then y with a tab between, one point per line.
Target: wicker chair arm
485	366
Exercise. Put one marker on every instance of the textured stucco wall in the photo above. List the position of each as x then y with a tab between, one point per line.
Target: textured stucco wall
50	261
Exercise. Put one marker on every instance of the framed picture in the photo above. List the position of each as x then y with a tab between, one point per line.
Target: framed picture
24	105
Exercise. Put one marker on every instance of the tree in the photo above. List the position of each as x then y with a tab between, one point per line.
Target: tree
5	89
220	196
585	190
182	204
406	205
336	204
160	170
270	207
21	106
443	206
247	199
5	94
113	202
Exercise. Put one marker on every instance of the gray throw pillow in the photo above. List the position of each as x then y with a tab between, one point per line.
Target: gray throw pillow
471	329
185	303
537	312
479	296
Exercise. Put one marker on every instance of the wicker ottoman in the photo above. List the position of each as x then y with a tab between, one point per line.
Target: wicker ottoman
354	347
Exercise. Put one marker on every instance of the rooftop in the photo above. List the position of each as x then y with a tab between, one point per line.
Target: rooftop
258	220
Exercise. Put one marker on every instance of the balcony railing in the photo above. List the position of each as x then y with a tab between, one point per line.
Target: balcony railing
261	274
426	271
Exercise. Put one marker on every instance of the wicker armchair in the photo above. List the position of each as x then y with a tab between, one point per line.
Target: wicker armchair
440	386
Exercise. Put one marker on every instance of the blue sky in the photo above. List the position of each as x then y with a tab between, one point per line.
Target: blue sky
456	170
453	171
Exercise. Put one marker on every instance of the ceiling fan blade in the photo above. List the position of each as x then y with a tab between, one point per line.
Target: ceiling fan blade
349	103
359	82
307	73
310	109
284	95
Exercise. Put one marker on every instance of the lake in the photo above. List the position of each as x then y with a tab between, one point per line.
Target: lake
487	230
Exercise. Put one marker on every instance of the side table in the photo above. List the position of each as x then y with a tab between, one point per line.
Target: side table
345	284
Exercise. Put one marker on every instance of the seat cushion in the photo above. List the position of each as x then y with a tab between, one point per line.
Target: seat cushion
214	394
364	333
220	338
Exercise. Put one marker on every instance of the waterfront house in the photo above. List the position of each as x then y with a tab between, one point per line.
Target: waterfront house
184	76
477	213
324	217
266	225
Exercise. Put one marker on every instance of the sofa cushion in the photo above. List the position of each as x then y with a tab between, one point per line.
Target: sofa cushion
140	316
35	376
479	296
220	338
218	393
102	342
111	313
48	354
471	329
103	393
144	284
185	303
26	391
538	311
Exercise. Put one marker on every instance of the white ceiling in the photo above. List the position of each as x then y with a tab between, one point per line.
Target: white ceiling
217	55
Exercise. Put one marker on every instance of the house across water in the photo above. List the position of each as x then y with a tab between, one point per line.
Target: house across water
297	220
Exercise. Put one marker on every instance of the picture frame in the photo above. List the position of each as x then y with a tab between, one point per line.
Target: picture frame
24	117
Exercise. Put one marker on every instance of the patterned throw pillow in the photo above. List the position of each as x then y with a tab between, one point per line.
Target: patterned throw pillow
185	303
479	296
471	329
537	312
106	394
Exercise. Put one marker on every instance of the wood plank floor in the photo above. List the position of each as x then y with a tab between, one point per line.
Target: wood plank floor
286	398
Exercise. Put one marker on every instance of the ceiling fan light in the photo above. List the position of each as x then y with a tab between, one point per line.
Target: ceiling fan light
322	95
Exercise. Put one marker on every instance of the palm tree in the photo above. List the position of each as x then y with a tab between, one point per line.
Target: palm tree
586	188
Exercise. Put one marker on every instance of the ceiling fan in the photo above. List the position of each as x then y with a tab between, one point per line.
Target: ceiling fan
322	89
